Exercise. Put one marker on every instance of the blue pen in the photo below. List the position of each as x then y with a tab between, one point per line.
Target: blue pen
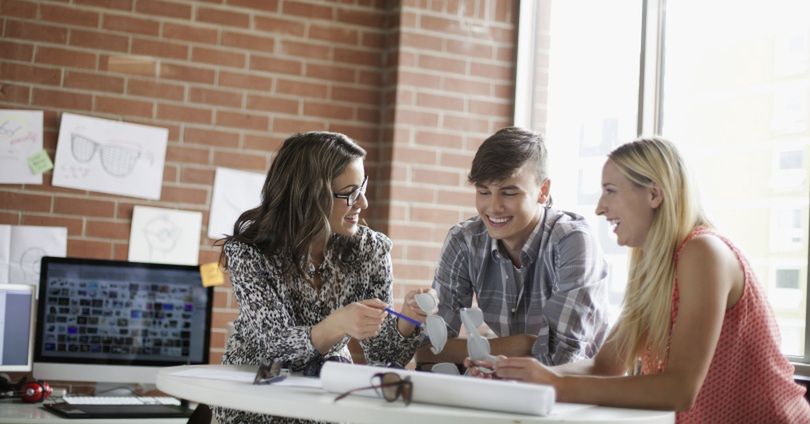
405	317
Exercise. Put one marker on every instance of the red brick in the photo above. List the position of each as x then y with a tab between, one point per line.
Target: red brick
245	81
107	229
73	225
405	154
248	41
440	102
94	82
299	88
356	57
496	72
121	251
197	176
187	73
424	253
124	107
220	319
456	160
184	114
68	15
264	143
442	25
19	9
413	272
308	50
163	8
27	73
446	217
483	107
83	207
108	4
264	5
25	202
9	218
469	48
210	137
328	110
466	86
13	93
356	95
170	173
415	79
431	176
442	64
215	97
279	26
275	65
241	160
272	104
98	40
373	40
189	33
183	194
402	193
155	89
414	117
223	17
62	99
182	154
334	34
444	140
465	123
218	57
16	51
421	42
159	48
457	197
65	57
409	232
242	120
310	11
126	64
368	115
291	126
35	32
367	136
89	249
131	25
361	17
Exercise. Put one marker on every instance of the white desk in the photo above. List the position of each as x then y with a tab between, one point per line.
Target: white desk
319	405
33	413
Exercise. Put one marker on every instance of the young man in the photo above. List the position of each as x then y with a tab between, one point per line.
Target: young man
537	273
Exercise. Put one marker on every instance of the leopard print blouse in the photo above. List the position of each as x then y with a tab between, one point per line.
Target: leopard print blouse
277	310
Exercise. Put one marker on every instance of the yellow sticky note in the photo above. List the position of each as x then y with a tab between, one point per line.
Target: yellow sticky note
212	274
39	162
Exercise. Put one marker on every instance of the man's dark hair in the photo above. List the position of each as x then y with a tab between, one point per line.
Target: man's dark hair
505	152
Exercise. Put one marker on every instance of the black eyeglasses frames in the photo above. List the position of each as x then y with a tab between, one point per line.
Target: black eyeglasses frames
352	197
389	385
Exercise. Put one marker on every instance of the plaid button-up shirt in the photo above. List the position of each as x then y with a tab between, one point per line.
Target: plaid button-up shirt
559	293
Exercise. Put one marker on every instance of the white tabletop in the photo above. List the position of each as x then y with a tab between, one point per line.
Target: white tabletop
16	412
316	404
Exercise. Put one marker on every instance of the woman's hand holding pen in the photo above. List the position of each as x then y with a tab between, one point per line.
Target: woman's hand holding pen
362	319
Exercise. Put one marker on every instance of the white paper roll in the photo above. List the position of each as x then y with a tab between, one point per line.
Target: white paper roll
449	390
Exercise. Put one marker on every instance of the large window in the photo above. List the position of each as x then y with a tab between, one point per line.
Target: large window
727	81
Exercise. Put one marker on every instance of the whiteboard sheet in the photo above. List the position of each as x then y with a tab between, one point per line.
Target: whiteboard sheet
165	236
27	245
20	137
449	390
234	192
110	156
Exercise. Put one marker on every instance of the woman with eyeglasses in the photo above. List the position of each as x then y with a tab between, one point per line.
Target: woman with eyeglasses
696	334
306	274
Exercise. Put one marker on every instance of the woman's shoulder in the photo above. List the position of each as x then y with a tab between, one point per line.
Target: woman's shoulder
372	241
704	250
239	254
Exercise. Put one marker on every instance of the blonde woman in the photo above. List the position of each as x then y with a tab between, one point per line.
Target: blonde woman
695	319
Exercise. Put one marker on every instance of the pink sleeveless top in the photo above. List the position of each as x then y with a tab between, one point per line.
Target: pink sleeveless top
749	380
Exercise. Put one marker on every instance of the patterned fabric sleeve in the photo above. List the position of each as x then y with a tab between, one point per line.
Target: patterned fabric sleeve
452	281
389	345
268	329
576	328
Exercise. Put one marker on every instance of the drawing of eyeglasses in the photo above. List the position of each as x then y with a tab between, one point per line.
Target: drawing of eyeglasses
8	128
118	161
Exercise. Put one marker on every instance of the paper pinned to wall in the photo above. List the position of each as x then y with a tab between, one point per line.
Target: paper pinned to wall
165	236
110	156
234	192
26	246
20	137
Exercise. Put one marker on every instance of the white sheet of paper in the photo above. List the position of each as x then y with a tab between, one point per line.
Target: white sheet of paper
165	236
218	374
110	156
5	252
20	137
28	245
234	192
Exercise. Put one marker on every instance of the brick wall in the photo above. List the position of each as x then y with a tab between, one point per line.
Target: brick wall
418	83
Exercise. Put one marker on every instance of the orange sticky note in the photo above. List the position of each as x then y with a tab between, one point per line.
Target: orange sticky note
212	274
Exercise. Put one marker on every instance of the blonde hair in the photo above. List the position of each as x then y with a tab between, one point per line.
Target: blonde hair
644	322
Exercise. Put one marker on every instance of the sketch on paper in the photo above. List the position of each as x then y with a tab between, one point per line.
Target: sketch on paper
20	137
234	192
165	236
110	157
22	248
